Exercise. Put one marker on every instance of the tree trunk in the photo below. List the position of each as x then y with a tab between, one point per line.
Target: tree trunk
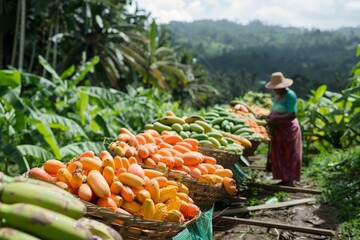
22	34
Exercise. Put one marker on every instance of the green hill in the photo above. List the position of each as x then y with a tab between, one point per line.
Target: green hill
246	55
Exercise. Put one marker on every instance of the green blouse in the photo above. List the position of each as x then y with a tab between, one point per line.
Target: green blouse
287	104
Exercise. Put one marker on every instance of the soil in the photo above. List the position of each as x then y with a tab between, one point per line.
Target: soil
313	215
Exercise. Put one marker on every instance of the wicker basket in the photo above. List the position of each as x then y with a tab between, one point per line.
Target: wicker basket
251	151
204	195
135	226
224	158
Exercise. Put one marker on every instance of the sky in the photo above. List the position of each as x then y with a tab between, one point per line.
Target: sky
319	14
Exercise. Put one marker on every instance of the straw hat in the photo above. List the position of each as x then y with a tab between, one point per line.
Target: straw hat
278	81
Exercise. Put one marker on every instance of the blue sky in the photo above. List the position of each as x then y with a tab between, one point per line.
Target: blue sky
322	14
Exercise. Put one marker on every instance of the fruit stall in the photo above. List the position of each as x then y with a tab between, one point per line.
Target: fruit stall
161	183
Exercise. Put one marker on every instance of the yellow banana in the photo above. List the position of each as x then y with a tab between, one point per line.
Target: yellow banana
170	120
55	199
42	223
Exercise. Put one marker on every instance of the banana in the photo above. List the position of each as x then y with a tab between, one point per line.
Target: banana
193	118
215	142
42	223
216	135
206	143
217	121
183	134
7	233
55	199
199	136
99	229
243	130
7	179
149	126
170	120
211	114
159	127
186	127
177	127
196	128
207	127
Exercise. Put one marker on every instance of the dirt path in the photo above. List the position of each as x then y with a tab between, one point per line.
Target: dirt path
314	215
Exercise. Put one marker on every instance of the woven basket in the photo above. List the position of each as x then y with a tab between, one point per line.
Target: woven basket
224	158
204	195
251	151
135	226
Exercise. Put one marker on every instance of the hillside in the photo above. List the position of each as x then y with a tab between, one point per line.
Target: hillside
248	54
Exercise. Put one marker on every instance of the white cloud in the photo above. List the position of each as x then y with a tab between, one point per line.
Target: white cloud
323	14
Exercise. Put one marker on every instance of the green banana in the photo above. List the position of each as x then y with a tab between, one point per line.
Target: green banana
199	136
159	127
211	114
7	233
205	143
55	199
216	135
241	131
215	142
177	127
223	141
7	179
186	127
207	127
184	134
42	222
224	123
196	128
99	229
217	121
149	126
170	120
238	126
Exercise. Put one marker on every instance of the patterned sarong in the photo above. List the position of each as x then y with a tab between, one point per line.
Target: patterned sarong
286	151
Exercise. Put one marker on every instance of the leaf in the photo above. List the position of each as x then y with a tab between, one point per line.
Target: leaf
84	70
358	51
51	70
319	93
35	152
49	137
13	99
102	124
15	155
68	72
82	105
10	78
63	123
75	149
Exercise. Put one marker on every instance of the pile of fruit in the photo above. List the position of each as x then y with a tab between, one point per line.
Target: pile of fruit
197	127
33	209
130	177
238	121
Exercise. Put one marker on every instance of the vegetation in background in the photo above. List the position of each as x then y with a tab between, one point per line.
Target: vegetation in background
338	173
77	71
242	57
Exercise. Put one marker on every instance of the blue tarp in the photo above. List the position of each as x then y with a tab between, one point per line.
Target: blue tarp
201	230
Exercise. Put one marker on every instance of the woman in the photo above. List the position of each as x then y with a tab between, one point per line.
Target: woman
285	132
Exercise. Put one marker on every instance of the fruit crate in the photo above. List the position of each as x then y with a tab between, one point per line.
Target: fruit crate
135	226
224	158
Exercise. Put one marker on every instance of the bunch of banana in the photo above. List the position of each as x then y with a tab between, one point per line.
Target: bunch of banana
219	118
198	128
44	211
